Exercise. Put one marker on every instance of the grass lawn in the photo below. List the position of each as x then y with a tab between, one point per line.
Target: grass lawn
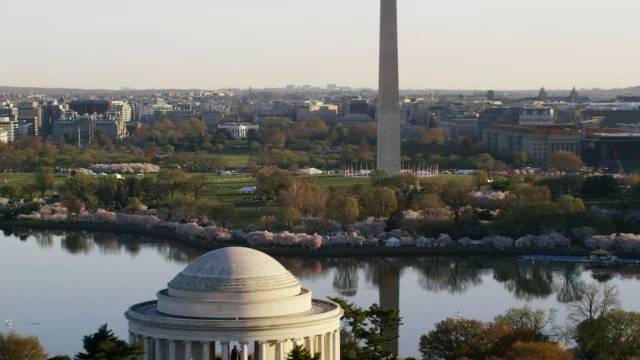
443	179
235	160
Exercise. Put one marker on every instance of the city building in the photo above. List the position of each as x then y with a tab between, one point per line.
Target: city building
81	129
238	131
234	297
457	127
352	120
51	111
83	107
29	117
10	125
538	115
612	152
124	108
211	117
4	136
326	112
538	142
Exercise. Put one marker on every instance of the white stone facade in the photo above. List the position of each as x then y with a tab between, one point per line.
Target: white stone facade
234	297
238	131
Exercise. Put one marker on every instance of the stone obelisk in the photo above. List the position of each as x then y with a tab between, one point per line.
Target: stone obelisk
388	94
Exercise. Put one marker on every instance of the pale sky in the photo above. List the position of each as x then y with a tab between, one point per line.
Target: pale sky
444	44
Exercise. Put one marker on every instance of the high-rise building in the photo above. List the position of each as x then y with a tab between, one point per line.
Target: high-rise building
51	111
29	118
83	107
10	125
388	113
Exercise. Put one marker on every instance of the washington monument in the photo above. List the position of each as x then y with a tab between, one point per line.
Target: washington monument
388	94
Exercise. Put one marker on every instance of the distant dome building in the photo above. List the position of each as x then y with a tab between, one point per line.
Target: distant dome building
234	297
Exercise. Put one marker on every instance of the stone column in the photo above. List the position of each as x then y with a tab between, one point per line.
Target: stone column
187	350
225	350
263	351
147	348
330	346
172	350
206	351
244	350
388	90
158	349
279	350
310	343
336	344
132	338
213	348
321	347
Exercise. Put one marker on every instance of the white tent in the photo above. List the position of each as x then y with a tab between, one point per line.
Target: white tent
247	190
392	242
308	171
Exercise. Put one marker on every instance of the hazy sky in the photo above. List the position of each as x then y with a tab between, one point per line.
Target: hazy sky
446	44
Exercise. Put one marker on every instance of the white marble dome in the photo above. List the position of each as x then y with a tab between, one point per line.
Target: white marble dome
234	296
234	282
234	270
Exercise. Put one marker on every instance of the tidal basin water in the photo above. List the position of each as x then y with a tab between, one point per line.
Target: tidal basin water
61	286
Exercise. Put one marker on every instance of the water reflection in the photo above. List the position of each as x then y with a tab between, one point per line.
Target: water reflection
424	289
525	280
454	276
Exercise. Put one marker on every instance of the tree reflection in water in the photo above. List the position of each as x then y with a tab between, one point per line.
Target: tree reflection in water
76	242
572	285
345	278
454	276
529	280
526	280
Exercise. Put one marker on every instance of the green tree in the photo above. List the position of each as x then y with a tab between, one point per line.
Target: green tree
528	324
183	208
73	204
570	205
456	197
299	352
270	182
380	202
17	347
520	158
79	185
456	338
480	177
538	351
43	180
615	335
367	331
344	210
289	217
197	184
223	214
172	180
565	161
104	345
106	189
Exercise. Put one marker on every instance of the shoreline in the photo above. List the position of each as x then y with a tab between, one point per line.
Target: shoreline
298	251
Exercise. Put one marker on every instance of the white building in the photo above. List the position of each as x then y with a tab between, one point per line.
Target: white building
123	108
4	136
234	297
536	116
82	128
238	131
10	125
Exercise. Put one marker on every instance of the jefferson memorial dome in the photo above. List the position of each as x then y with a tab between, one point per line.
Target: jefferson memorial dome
234	297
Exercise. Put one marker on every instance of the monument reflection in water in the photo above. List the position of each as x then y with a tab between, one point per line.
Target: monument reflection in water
425	290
